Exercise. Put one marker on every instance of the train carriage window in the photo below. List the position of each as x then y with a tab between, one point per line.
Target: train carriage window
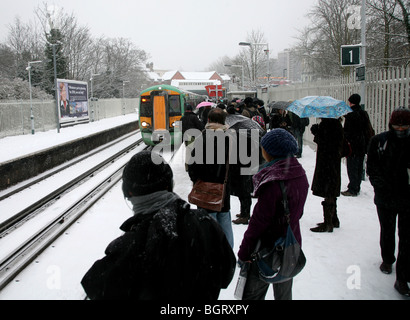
174	106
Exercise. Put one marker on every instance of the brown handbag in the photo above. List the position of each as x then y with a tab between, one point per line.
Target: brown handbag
209	195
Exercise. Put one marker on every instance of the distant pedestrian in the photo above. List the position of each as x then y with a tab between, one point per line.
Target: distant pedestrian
388	167
259	120
267	222
204	114
260	106
328	136
250	109
168	251
209	169
297	128
356	130
190	121
280	119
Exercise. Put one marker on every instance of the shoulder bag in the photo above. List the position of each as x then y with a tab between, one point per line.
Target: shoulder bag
209	195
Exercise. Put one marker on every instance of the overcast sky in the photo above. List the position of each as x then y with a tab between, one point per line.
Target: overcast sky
188	35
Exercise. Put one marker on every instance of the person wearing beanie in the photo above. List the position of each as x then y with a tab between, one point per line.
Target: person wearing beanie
326	183
388	167
162	252
267	223
358	131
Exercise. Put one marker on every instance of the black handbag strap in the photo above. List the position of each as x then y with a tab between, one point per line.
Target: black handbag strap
285	204
285	201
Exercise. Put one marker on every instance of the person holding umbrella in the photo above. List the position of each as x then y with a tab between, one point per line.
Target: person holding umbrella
328	135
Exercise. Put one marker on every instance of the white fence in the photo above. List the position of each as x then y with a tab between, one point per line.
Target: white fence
15	116
385	90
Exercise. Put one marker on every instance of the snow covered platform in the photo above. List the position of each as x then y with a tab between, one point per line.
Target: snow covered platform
343	265
26	156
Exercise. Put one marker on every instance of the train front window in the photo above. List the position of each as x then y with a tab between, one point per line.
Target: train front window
146	107
174	106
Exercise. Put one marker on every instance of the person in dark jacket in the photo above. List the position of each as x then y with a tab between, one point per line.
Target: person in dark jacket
267	222
204	114
388	167
328	136
356	124
280	119
168	252
250	109
213	169
260	105
297	128
190	121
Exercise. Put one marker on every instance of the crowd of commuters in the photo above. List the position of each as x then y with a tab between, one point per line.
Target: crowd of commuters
170	250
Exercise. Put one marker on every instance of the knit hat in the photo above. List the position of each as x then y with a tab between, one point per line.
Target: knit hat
400	116
259	120
279	143
141	176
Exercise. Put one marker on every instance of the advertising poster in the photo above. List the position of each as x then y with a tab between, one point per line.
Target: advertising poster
73	100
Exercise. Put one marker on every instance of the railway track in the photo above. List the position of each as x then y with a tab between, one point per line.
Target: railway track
92	185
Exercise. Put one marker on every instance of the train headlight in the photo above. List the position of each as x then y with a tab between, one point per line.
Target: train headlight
145	124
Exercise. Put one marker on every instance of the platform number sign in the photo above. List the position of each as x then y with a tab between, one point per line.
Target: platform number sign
350	56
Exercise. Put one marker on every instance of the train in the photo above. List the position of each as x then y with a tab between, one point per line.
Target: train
160	110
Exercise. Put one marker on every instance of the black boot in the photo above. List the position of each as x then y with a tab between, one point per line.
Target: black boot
402	287
327	225
335	219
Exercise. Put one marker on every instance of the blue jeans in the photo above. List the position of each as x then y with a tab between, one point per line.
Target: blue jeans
224	220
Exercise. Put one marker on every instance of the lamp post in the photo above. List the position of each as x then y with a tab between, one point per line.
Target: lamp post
249	44
123	96
31	102
363	39
55	81
238	66
92	95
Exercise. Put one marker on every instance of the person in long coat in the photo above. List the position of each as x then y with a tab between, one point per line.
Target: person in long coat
328	136
169	252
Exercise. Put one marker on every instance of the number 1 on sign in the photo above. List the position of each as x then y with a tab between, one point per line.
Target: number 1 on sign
351	56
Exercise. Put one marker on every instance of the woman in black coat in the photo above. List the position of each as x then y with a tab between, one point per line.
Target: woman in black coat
327	178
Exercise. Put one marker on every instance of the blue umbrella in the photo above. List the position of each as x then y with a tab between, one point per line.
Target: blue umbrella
319	107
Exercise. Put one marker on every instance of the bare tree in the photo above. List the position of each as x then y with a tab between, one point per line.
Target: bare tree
254	57
387	37
328	31
120	61
405	10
